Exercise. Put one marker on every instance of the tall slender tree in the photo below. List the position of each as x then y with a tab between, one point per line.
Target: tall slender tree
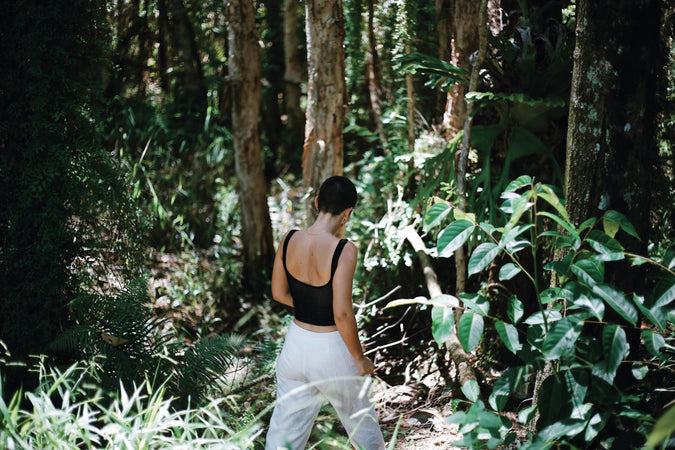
327	100
295	74
244	77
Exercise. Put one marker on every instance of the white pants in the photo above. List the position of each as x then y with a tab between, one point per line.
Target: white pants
312	366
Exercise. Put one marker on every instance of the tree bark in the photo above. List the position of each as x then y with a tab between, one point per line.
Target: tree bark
191	92
464	41
327	100
611	146
294	75
374	86
245	73
465	371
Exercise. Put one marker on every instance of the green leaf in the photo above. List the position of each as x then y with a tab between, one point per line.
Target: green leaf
589	271
518	207
561	337
554	401
603	244
654	315
617	301
436	214
565	427
592	304
482	256
509	335
654	342
566	225
453	237
526	414
521	181
595	426
470	330
639	371
471	390
590	223
663	428
510	380
515	309
615	344
508	271
614	217
476	303
545	192
666	297
442	323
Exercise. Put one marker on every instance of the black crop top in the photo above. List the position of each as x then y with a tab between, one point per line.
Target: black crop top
313	304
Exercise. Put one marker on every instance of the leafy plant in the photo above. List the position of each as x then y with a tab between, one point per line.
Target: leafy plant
572	329
129	344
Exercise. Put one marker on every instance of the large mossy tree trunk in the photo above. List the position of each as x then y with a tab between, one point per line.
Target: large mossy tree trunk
611	140
244	76
327	100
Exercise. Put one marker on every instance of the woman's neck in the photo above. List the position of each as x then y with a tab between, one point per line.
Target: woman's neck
326	223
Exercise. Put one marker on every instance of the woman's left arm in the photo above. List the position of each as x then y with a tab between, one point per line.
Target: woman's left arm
280	290
343	309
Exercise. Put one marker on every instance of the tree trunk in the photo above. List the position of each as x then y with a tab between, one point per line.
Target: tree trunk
611	146
191	93
294	75
245	70
464	41
327	100
465	371
374	87
162	60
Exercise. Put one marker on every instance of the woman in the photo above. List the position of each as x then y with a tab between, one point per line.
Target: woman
322	355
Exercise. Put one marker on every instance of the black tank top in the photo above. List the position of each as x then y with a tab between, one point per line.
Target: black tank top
313	304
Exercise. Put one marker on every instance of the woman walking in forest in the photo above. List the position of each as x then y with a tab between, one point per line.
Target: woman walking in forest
322	356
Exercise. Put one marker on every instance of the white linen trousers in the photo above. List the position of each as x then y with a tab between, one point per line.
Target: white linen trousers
312	366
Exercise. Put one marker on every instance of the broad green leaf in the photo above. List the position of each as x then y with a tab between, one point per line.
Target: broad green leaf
537	318
669	257
508	271
602	243
515	309
476	303
561	338
482	256
666	297
510	380
565	224
654	342
453	237
471	390
577	382
470	330
461	215
654	314
550	295
526	414
436	214
639	371
521	181
595	425
587	224
663	428
615	217
509	335
617	301
546	193
592	304
518	207
615	345
442	323
589	271
565	427
554	401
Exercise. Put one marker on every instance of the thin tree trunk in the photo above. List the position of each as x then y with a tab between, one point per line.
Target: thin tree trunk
162	51
327	100
465	371
464	42
374	88
294	75
245	73
461	169
410	93
191	92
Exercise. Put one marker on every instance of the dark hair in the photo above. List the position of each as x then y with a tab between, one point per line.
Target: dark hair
336	194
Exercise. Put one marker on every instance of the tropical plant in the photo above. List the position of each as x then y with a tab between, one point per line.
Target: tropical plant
130	344
65	411
583	327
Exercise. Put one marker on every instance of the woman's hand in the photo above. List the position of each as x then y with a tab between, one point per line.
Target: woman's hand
365	366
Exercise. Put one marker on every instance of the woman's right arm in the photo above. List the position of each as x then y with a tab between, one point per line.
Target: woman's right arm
280	289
